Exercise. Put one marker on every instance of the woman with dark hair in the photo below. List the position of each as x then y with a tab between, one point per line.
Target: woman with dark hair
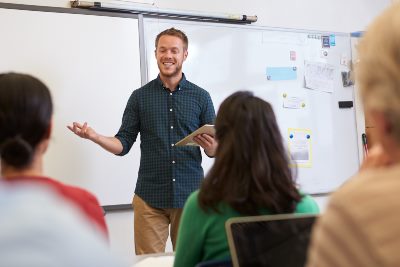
25	126
250	176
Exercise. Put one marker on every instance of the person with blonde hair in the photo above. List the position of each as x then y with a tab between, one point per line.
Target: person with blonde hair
361	226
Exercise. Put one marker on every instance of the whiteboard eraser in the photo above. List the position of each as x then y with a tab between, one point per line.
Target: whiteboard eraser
345	104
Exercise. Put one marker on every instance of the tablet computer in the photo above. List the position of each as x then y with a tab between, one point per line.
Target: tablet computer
188	140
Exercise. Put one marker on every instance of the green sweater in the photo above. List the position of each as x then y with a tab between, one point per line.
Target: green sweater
202	236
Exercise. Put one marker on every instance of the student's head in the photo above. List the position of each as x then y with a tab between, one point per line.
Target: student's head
25	118
251	168
171	51
378	75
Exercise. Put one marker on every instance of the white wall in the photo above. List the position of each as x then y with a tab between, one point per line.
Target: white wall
324	15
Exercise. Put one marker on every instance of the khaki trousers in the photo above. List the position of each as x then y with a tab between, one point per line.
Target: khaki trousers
151	227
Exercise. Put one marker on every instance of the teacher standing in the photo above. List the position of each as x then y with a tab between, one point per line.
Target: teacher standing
163	111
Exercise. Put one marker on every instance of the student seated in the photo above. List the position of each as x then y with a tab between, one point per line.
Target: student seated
40	228
250	176
25	127
361	225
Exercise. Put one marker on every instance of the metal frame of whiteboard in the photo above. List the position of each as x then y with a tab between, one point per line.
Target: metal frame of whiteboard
360	116
214	34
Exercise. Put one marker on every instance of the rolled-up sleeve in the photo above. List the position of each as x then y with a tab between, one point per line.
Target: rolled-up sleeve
130	126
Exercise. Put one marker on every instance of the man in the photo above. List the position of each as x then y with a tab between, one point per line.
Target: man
361	226
164	111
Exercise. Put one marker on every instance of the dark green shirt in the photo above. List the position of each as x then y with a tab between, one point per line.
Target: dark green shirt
167	174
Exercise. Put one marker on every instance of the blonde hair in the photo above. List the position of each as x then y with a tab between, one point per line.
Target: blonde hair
378	70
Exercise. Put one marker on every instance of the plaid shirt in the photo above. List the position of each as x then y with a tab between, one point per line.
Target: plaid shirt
167	174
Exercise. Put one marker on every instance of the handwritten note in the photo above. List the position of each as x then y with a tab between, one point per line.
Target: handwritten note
293	102
319	76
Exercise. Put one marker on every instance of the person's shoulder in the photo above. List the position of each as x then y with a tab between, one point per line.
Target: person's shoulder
146	87
191	85
193	199
74	192
192	206
307	204
195	87
82	192
142	92
66	190
380	183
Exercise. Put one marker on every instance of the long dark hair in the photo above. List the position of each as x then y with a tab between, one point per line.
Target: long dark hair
25	114
251	169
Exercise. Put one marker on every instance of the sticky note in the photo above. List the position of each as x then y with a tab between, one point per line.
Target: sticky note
281	73
332	40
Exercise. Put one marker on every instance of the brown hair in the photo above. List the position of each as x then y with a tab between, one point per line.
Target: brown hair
378	70
25	114
251	169
174	32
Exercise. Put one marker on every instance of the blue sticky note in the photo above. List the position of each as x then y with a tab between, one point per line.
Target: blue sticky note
281	73
332	40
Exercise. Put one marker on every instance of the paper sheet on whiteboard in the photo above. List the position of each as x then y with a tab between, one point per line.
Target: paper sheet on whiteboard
319	76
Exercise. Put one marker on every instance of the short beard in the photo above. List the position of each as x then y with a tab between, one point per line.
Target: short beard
177	70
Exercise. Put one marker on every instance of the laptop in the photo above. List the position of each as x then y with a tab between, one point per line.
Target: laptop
270	240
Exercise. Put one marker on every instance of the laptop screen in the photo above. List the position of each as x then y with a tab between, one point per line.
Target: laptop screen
270	240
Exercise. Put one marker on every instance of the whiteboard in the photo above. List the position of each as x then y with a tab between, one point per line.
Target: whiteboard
91	65
226	58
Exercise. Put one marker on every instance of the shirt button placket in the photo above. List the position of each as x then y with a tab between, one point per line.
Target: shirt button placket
172	127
